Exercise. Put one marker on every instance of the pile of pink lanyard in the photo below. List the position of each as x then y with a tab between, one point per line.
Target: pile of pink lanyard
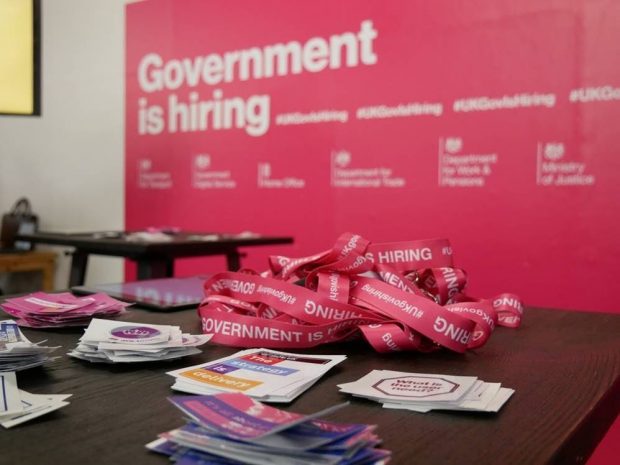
399	296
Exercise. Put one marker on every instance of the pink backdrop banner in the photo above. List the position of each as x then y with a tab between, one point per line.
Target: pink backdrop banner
491	123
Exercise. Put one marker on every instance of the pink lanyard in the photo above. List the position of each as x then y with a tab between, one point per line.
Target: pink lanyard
400	296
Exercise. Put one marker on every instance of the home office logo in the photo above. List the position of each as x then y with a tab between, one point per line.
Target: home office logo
204	177
554	167
345	174
453	144
266	181
264	171
148	178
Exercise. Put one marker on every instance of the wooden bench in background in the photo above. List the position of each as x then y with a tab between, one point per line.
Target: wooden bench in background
30	261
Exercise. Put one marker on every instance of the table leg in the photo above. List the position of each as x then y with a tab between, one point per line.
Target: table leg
154	268
79	260
233	260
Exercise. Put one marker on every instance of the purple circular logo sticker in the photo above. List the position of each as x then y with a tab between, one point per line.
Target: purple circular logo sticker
135	332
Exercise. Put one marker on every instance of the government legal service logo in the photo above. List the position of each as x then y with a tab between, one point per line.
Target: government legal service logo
415	386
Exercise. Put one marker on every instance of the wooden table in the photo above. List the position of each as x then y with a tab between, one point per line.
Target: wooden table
30	261
154	259
565	367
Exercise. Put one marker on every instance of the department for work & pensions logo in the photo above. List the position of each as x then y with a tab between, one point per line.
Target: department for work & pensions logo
453	144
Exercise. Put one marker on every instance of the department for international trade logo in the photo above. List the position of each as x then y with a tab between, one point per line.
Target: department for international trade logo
554	150
453	144
341	158
345	173
202	161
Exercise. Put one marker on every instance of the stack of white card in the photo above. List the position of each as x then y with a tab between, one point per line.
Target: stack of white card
264	374
423	392
123	342
19	406
17	352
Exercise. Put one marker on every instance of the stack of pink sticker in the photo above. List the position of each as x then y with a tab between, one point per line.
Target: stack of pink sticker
42	310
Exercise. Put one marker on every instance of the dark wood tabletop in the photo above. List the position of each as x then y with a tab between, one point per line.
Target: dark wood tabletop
183	244
154	258
564	366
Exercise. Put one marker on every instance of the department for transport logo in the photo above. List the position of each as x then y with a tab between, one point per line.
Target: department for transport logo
202	161
453	144
150	178
553	150
145	164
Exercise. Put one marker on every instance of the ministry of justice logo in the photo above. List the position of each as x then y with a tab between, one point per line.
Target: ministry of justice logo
553	150
453	144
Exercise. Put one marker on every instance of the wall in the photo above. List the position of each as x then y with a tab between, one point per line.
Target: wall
69	161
